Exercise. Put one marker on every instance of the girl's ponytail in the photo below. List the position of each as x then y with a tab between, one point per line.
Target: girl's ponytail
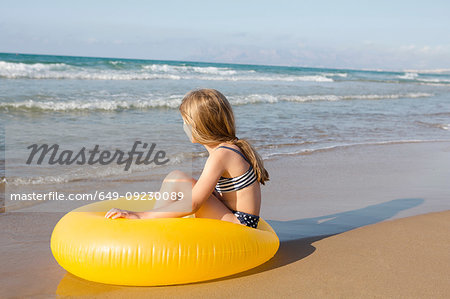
255	159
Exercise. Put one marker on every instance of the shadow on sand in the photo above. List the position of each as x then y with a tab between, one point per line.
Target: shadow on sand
296	239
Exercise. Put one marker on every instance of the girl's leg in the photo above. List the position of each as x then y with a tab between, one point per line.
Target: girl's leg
176	181
213	208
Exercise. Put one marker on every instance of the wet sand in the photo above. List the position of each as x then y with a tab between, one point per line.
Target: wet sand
333	213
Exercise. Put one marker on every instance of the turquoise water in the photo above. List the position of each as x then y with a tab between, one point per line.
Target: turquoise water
282	110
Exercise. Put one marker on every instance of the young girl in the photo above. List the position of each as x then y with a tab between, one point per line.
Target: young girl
229	186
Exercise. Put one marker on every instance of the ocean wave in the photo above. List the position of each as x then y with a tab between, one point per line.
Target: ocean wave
87	174
116	62
416	77
11	70
432	71
434	80
389	96
408	76
342	75
433	84
438	114
443	126
105	105
334	147
175	100
267	98
285	78
166	68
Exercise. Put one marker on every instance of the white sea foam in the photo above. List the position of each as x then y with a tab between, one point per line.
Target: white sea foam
390	96
267	98
165	68
22	70
442	126
434	80
416	77
408	76
285	78
87	173
173	101
327	148
343	75
116	62
432	71
10	70
63	71
111	105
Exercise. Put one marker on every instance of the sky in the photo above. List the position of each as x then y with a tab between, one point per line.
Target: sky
390	35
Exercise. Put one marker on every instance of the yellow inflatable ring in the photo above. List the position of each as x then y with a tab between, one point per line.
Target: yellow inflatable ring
153	252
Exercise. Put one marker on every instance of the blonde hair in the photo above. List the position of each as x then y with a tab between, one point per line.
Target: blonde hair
212	120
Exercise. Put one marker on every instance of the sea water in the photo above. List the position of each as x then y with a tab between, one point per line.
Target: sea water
81	101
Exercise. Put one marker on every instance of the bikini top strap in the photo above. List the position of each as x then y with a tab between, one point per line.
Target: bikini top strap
235	150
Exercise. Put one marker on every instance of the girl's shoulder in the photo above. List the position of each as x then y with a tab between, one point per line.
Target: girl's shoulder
226	150
226	146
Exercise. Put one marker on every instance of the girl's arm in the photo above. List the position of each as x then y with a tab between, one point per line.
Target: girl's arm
205	185
191	203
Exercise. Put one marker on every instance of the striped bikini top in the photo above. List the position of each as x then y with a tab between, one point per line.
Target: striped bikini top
225	185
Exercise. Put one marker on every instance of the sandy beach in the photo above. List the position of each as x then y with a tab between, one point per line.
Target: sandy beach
361	221
120	104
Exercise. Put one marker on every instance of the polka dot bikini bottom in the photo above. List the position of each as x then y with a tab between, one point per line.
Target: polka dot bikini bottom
247	219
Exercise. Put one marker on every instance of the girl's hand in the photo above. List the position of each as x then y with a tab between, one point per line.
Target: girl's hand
118	213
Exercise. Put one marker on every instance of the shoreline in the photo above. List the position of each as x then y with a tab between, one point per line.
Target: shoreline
273	159
355	177
336	214
344	146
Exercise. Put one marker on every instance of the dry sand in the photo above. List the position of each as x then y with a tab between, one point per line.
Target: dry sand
366	256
